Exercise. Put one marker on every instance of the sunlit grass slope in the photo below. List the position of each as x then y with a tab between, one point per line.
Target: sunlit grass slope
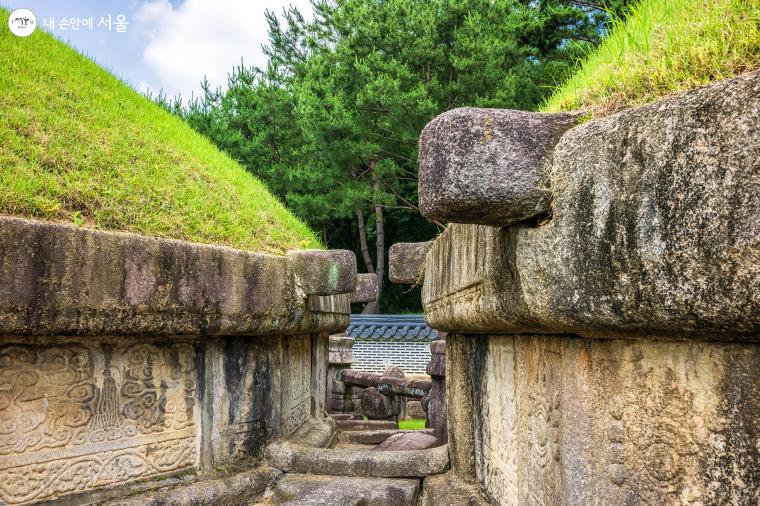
78	145
663	47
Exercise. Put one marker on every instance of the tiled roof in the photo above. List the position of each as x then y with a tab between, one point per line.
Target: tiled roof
390	326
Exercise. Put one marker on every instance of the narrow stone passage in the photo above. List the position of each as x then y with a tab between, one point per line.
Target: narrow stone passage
363	462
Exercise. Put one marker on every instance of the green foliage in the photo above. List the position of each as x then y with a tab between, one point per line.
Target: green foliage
332	123
78	145
413	424
664	47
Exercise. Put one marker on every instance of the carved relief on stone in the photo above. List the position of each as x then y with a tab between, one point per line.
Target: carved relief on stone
69	411
540	414
46	397
654	425
544	429
498	461
299	373
79	474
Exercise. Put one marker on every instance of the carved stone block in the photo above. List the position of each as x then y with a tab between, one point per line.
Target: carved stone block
79	414
487	166
406	262
564	420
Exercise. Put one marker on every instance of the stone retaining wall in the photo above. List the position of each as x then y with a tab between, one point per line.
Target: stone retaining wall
124	358
603	309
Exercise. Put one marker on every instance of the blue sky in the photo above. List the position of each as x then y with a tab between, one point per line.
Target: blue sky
167	45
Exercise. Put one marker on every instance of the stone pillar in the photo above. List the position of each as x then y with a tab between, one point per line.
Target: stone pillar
460	406
434	403
340	397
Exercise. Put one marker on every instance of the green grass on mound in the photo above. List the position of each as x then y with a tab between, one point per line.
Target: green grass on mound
78	145
664	47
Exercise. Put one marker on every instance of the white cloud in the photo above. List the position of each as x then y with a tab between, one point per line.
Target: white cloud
203	37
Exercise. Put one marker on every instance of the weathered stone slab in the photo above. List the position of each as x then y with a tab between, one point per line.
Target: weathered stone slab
366	424
567	420
61	279
434	403
239	488
79	414
261	389
142	388
406	262
324	272
655	231
374	436
302	489
366	288
316	433
317	304
413	409
332	461
346	416
460	407
411	440
387	384
487	166
377	406
449	490
341	350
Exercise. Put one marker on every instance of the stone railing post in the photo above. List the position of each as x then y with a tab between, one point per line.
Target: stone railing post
341	398
434	403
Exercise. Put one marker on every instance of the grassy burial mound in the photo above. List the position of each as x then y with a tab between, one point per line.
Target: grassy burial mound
664	47
78	145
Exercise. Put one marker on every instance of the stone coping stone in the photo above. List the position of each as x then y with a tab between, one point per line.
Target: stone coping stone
367	463
654	232
366	288
487	166
449	490
341	341
324	272
438	347
62	279
239	488
406	262
375	436
306	489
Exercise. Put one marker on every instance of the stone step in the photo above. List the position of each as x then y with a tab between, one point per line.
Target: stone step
306	489
412	440
366	424
450	490
293	458
238	488
374	436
